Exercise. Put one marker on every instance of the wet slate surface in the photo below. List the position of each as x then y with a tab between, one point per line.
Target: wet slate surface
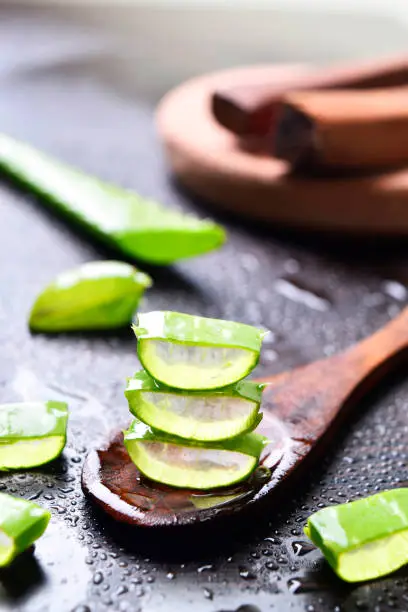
316	296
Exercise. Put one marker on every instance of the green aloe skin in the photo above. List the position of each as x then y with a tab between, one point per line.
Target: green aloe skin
195	415
365	539
21	524
31	433
95	296
193	353
140	228
189	464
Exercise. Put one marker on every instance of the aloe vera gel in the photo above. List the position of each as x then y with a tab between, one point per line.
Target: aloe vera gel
31	433
190	352
364	539
191	465
21	524
97	295
195	416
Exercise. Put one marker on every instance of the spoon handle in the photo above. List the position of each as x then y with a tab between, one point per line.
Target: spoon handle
308	399
380	348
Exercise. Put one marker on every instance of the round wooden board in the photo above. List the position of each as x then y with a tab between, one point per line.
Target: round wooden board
213	164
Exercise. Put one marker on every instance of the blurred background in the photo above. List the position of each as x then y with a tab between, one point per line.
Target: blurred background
150	46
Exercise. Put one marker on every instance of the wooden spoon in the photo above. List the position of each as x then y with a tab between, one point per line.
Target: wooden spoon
300	408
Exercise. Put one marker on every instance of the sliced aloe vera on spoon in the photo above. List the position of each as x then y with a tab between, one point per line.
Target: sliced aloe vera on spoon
196	353
195	415
96	295
365	539
139	227
21	524
182	463
32	433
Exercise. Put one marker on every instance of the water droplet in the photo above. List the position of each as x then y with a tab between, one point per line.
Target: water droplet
170	576
297	292
395	290
98	578
271	565
273	540
121	590
205	568
291	266
361	605
208	594
301	548
300	585
247	574
81	609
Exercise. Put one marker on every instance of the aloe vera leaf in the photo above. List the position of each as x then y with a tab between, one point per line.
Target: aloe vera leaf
138	227
96	295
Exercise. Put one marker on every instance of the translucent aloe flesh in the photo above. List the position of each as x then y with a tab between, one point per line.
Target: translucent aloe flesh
32	433
21	524
140	228
190	352
182	463
95	295
364	539
195	415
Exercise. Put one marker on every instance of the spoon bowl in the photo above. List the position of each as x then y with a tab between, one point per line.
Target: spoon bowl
300	407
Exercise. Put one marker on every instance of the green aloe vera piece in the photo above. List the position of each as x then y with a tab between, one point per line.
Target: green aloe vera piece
31	433
365	539
213	415
140	228
183	463
21	524
191	352
96	295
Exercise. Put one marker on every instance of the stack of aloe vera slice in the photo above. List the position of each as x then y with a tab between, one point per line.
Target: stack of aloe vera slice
195	415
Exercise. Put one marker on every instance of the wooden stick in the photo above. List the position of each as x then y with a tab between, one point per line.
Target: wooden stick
344	129
249	109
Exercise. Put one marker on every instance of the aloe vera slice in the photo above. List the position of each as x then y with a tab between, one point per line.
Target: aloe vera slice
32	433
182	463
96	295
140	228
364	539
190	352
215	415
21	523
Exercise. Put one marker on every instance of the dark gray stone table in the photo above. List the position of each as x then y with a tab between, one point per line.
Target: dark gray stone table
316	296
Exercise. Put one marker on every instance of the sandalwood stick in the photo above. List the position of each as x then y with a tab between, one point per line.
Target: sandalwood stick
249	109
344	129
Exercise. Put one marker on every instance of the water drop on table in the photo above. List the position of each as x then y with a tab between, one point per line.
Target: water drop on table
271	565
296	291
121	590
205	568
395	290
273	540
208	594
301	548
247	574
98	578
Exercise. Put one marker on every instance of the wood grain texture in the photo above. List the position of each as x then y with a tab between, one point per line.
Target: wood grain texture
243	178
300	408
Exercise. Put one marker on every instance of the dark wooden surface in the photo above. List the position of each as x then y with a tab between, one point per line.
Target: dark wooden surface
316	297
